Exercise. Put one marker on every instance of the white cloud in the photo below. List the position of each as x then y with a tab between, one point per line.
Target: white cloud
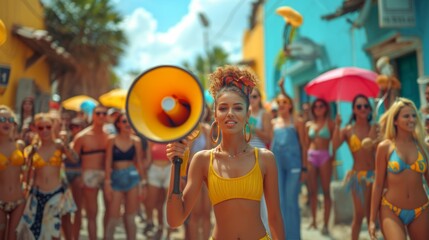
148	47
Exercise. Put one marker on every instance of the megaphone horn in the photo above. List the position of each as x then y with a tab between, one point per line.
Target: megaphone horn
165	103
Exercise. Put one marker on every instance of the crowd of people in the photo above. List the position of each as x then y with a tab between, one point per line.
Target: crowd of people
246	167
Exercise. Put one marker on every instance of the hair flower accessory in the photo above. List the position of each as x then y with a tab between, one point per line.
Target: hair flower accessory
243	83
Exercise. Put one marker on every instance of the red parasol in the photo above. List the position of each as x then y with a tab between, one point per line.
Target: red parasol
343	84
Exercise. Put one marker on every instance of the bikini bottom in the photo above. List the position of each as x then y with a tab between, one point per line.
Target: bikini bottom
318	157
406	215
359	181
266	237
9	206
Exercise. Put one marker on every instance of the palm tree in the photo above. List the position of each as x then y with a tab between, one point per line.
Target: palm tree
203	65
89	31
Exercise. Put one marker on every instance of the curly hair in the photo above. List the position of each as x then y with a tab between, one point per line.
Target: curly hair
232	78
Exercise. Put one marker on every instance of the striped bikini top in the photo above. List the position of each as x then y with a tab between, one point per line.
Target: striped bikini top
248	186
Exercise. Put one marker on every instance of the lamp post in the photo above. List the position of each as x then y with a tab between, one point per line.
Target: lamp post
205	22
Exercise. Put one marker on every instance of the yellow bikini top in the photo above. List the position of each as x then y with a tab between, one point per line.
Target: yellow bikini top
354	143
248	186
55	160
15	159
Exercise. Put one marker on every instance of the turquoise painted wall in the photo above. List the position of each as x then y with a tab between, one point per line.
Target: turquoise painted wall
334	35
342	47
336	38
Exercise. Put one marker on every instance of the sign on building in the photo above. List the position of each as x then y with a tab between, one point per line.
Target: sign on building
396	13
4	78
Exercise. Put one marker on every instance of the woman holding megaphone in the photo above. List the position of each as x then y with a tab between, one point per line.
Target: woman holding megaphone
236	174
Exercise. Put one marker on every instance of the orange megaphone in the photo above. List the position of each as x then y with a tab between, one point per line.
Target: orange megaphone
165	103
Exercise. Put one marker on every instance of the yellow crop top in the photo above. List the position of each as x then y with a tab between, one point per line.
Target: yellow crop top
15	159
54	161
248	186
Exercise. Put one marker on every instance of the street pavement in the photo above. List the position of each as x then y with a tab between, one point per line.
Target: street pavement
337	232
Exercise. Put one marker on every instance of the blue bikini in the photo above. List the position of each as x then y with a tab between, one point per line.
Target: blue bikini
396	165
322	133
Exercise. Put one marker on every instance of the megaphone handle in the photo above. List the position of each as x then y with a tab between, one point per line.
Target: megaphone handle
176	184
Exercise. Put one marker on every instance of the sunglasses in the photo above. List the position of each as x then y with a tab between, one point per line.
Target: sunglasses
101	113
5	119
360	106
41	128
319	106
72	126
254	96
282	102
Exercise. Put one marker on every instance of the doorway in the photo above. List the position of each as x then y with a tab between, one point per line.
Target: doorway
407	72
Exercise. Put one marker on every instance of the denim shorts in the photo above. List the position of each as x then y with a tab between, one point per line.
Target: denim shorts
71	175
125	179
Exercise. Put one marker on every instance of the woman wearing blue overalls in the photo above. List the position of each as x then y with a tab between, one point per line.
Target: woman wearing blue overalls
287	145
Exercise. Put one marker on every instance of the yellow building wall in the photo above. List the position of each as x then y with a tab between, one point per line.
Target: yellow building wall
14	53
253	49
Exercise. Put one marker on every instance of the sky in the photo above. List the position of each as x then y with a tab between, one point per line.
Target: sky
169	32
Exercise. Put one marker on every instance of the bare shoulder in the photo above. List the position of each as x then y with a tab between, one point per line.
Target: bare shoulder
201	159
347	129
385	144
202	155
266	114
265	154
84	132
111	140
135	139
264	151
267	160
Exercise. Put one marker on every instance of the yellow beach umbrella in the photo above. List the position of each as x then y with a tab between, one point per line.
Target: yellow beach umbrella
3	33
75	103
115	98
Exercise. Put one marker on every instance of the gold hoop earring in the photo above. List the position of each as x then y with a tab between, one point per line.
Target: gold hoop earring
211	132
247	139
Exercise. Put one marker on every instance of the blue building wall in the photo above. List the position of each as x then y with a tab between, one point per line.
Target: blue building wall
342	47
333	35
